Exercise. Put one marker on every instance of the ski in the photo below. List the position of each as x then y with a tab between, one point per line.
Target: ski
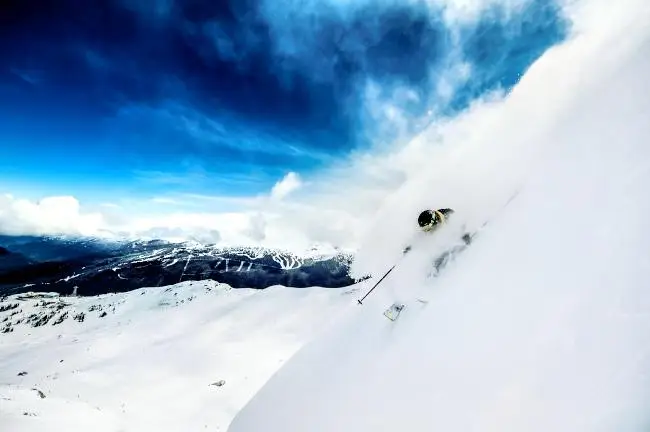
393	312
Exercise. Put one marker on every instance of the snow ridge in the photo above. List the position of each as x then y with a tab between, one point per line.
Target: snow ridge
175	358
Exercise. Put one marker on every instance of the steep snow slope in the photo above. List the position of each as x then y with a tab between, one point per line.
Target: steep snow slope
145	360
544	322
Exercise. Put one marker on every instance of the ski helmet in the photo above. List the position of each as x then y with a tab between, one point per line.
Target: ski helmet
428	219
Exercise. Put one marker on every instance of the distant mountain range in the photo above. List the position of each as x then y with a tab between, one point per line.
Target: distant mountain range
91	266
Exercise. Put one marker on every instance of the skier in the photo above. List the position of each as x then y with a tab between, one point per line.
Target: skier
429	220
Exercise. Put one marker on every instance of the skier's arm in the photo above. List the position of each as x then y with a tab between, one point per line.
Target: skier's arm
446	211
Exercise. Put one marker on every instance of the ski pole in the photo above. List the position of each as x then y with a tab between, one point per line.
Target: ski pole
378	282
406	250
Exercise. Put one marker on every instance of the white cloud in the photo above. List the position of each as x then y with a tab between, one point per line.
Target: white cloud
286	186
51	215
294	34
463	11
165	201
257	228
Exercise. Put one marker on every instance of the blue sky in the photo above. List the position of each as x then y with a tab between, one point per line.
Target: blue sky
111	99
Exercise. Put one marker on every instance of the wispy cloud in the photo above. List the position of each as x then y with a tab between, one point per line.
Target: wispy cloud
221	130
171	178
166	200
286	186
33	77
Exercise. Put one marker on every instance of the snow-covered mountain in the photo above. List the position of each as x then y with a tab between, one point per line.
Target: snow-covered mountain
92	267
176	358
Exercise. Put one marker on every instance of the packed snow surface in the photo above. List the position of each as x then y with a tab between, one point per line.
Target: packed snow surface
543	323
179	358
